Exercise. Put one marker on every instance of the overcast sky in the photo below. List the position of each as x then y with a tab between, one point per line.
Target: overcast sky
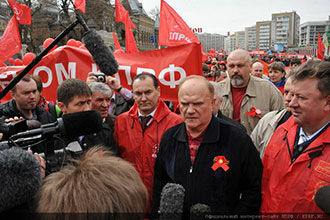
221	16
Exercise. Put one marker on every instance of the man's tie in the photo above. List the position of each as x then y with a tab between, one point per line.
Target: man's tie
144	121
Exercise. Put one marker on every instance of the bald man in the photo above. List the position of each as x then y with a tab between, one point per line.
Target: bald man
246	98
215	161
257	70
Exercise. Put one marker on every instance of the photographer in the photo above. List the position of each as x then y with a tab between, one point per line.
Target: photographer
122	100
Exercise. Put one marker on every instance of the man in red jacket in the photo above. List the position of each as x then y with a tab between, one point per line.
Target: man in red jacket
297	158
138	132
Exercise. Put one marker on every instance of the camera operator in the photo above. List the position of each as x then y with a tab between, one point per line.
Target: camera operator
74	95
23	104
122	100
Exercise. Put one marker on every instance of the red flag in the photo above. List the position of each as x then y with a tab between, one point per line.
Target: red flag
173	31
265	65
320	47
22	12
117	45
10	43
121	14
80	5
130	41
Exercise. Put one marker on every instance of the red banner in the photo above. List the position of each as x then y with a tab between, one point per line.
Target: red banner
169	65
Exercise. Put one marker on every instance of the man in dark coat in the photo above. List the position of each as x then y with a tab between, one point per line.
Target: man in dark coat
23	104
215	162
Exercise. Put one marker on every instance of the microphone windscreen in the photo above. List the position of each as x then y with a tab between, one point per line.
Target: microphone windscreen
322	198
171	201
20	177
100	52
82	123
199	211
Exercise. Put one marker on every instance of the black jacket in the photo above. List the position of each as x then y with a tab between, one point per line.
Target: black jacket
103	137
235	191
9	110
230	121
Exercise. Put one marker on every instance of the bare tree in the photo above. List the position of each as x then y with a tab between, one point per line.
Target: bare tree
154	13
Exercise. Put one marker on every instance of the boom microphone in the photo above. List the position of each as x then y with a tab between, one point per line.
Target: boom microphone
20	178
322	199
171	202
101	54
70	125
199	211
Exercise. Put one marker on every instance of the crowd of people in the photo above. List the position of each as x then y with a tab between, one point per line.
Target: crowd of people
241	142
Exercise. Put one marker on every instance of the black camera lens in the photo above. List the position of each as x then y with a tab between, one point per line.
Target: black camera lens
100	78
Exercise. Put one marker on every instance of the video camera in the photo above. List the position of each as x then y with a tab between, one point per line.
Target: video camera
53	140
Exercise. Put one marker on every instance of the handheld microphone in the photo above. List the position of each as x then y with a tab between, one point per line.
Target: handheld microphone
322	199
70	125
100	52
171	202
20	177
199	211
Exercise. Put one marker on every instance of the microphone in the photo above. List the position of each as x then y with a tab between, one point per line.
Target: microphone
199	211
20	177
322	199
101	54
171	202
70	125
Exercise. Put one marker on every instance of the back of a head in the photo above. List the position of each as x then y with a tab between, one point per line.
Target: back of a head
98	183
70	88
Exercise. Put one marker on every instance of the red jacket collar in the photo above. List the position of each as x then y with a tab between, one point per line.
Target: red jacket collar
291	127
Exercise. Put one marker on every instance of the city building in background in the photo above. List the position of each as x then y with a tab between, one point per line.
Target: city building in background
230	43
263	35
251	38
240	39
285	29
309	31
211	41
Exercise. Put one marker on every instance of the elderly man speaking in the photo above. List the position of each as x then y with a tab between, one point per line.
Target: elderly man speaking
215	162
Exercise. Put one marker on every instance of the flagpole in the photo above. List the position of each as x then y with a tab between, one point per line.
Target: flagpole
37	59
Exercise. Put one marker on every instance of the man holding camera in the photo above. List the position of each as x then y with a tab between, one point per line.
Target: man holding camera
122	100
